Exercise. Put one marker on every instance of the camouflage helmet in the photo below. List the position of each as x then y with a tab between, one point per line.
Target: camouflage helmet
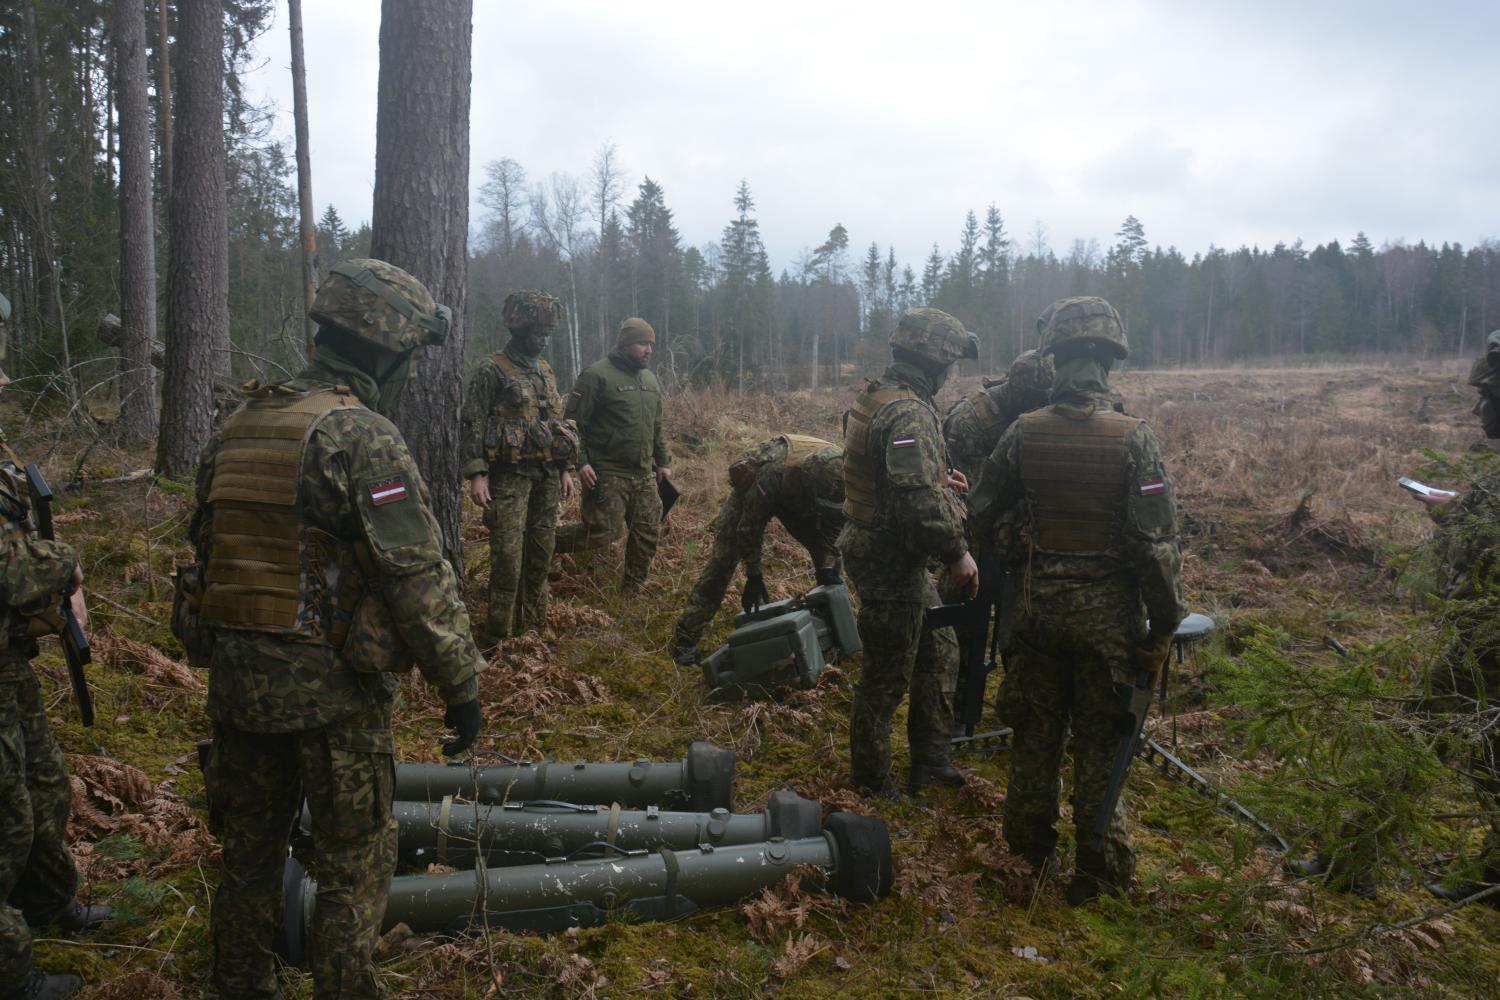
1046	317
530	309
935	335
1032	372
1485	373
1085	318
382	305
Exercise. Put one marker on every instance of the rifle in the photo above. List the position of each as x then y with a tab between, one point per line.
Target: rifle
971	620
74	643
1135	701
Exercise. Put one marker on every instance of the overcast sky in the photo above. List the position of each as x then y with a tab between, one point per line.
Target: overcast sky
1216	123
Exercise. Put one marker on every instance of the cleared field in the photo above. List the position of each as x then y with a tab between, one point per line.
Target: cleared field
1293	529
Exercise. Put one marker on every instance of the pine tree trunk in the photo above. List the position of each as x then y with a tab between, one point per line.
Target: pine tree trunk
38	177
137	227
198	237
164	94
421	216
304	170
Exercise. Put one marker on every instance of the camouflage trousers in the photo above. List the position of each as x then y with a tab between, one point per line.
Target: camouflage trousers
1050	687
522	518
37	878
901	656
255	787
713	580
615	505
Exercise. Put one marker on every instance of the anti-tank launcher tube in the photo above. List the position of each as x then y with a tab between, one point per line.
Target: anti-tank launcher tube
855	852
701	782
523	833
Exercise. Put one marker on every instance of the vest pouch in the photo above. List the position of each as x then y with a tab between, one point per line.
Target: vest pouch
372	646
492	428
187	597
512	442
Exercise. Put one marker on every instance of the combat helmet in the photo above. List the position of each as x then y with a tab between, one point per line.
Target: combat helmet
1485	373
934	335
382	305
530	309
1085	318
1031	373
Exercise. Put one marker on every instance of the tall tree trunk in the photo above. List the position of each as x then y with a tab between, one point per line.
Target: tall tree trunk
38	177
420	219
137	226
164	94
198	231
304	171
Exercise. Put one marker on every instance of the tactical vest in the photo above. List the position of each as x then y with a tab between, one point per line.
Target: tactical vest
1073	465
859	463
264	562
986	410
520	423
800	447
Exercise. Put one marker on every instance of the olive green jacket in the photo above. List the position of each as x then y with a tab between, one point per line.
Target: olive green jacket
618	412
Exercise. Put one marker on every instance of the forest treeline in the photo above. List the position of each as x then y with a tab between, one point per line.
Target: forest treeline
606	241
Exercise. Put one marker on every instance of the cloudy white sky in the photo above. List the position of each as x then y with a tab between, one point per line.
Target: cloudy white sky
1223	123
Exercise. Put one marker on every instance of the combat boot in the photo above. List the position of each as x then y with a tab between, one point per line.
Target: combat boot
1090	879
41	986
686	655
81	916
925	775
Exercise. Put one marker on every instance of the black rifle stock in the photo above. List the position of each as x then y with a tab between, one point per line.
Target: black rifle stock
1135	700
74	643
977	650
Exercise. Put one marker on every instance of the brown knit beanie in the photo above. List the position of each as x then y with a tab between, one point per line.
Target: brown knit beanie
635	331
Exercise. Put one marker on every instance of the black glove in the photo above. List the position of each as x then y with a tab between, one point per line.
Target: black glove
755	592
464	719
828	576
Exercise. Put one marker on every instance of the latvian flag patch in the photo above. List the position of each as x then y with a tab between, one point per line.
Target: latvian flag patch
903	442
388	492
1152	486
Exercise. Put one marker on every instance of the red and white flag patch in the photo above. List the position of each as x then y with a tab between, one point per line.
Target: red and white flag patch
388	492
903	442
1150	487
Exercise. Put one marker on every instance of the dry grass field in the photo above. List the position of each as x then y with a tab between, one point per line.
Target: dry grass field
1295	535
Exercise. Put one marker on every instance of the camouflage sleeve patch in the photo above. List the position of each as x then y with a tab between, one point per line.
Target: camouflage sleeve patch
398	526
913	449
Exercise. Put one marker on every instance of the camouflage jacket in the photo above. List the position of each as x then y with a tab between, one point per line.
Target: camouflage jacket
483	431
1139	576
974	424
618	412
269	683
807	500
36	575
917	520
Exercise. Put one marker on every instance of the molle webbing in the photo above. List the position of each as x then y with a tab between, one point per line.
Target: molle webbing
985	409
799	447
256	559
1073	465
859	464
516	373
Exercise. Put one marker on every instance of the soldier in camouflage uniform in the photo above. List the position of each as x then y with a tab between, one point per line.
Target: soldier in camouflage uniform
1467	674
899	518
517	453
622	456
1076	504
320	578
974	423
798	480
37	878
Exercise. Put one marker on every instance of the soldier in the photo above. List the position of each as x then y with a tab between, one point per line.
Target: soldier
798	480
517	455
37	877
899	518
974	423
616	405
320	577
1468	673
1076	504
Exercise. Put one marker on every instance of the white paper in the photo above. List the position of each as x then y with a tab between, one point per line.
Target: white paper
1422	489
